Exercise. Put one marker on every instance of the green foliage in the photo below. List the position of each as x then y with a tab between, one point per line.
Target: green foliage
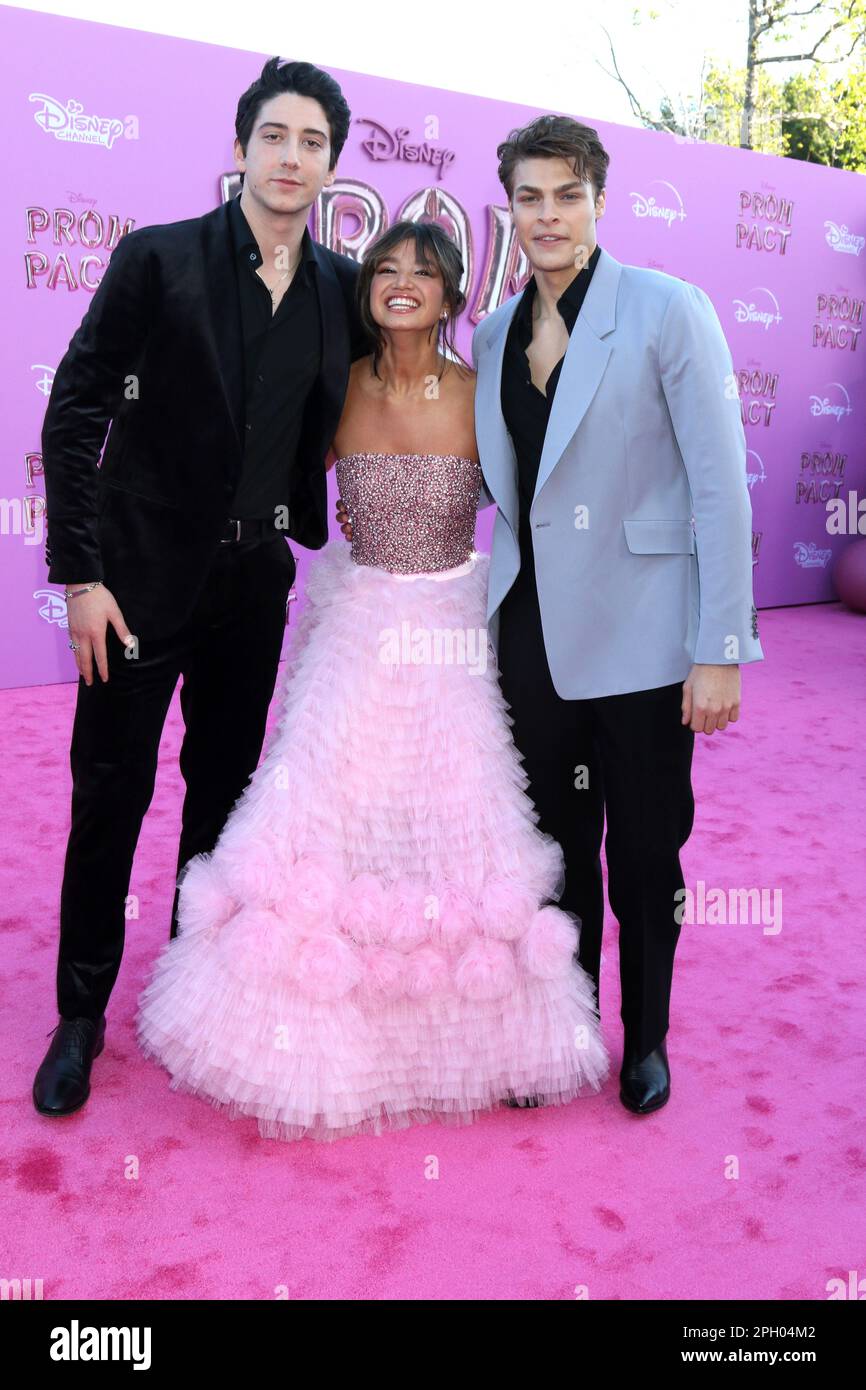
817	114
825	122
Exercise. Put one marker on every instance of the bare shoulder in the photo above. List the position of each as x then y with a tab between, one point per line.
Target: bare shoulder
362	378
461	379
360	367
460	393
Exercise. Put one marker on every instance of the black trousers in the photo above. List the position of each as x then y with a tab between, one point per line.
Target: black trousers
228	654
637	755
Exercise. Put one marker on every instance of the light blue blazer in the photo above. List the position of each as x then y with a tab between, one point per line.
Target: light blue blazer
641	520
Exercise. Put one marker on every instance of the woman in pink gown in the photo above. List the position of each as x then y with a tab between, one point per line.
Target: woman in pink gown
374	941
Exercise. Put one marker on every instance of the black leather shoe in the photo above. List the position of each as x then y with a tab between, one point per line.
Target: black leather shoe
62	1082
522	1102
645	1085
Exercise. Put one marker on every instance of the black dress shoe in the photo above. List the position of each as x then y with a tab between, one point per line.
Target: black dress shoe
645	1085
522	1102
62	1082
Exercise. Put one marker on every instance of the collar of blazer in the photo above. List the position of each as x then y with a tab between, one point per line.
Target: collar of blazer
220	288
585	360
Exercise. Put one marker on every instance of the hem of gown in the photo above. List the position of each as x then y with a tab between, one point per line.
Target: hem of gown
384	1119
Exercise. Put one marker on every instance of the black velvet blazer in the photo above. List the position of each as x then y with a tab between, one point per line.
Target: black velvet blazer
159	357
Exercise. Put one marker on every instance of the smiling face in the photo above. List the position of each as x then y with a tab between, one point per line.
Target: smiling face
285	167
554	214
406	291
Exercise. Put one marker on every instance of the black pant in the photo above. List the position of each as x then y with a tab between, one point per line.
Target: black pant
228	654
637	756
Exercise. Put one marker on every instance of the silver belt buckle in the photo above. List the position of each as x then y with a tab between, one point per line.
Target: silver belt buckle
227	540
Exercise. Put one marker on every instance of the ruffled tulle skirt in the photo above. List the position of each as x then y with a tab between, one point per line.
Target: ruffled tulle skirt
374	941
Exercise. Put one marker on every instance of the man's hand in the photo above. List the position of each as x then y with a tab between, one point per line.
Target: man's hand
343	519
711	697
89	616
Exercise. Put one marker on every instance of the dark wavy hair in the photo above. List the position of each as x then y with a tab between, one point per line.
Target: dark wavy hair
432	245
552	137
308	81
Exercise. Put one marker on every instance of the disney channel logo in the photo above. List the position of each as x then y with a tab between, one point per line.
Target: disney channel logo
52	606
840	239
809	557
70	122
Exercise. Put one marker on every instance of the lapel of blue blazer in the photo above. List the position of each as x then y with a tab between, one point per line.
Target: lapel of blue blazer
583	368
498	459
585	360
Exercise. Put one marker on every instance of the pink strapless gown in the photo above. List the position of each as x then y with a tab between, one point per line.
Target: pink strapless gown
374	940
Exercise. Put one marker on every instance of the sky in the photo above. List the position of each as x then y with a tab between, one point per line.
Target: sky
552	54
554	61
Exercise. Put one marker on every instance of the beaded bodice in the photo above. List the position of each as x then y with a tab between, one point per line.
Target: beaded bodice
410	512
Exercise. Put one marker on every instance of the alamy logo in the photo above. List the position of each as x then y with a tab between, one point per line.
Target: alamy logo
20	1290
76	1343
421	646
23	516
69	122
840	239
751	313
721	906
822	405
661	211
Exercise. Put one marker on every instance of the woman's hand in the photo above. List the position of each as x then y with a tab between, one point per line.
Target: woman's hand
343	519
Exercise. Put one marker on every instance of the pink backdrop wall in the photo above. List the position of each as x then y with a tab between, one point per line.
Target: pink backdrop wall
109	129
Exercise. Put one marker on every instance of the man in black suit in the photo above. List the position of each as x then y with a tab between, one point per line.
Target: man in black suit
219	349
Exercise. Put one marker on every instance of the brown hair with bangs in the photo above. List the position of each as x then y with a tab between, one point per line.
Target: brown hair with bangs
434	246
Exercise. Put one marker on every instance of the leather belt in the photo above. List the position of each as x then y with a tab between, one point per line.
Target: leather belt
239	529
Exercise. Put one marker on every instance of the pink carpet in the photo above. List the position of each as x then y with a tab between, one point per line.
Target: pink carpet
149	1194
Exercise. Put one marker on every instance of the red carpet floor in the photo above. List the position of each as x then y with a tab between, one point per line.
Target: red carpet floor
748	1184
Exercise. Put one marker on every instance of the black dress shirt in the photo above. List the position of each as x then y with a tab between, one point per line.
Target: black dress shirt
526	410
282	356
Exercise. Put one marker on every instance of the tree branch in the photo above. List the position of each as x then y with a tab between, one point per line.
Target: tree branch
810	57
637	109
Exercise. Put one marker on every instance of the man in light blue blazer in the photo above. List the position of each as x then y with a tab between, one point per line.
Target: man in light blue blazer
620	603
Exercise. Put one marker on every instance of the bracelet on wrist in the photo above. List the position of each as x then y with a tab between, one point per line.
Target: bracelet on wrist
74	593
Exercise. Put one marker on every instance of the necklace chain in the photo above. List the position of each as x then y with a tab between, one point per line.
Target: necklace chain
282	277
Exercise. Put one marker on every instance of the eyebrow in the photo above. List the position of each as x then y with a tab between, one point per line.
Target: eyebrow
563	187
278	125
419	260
